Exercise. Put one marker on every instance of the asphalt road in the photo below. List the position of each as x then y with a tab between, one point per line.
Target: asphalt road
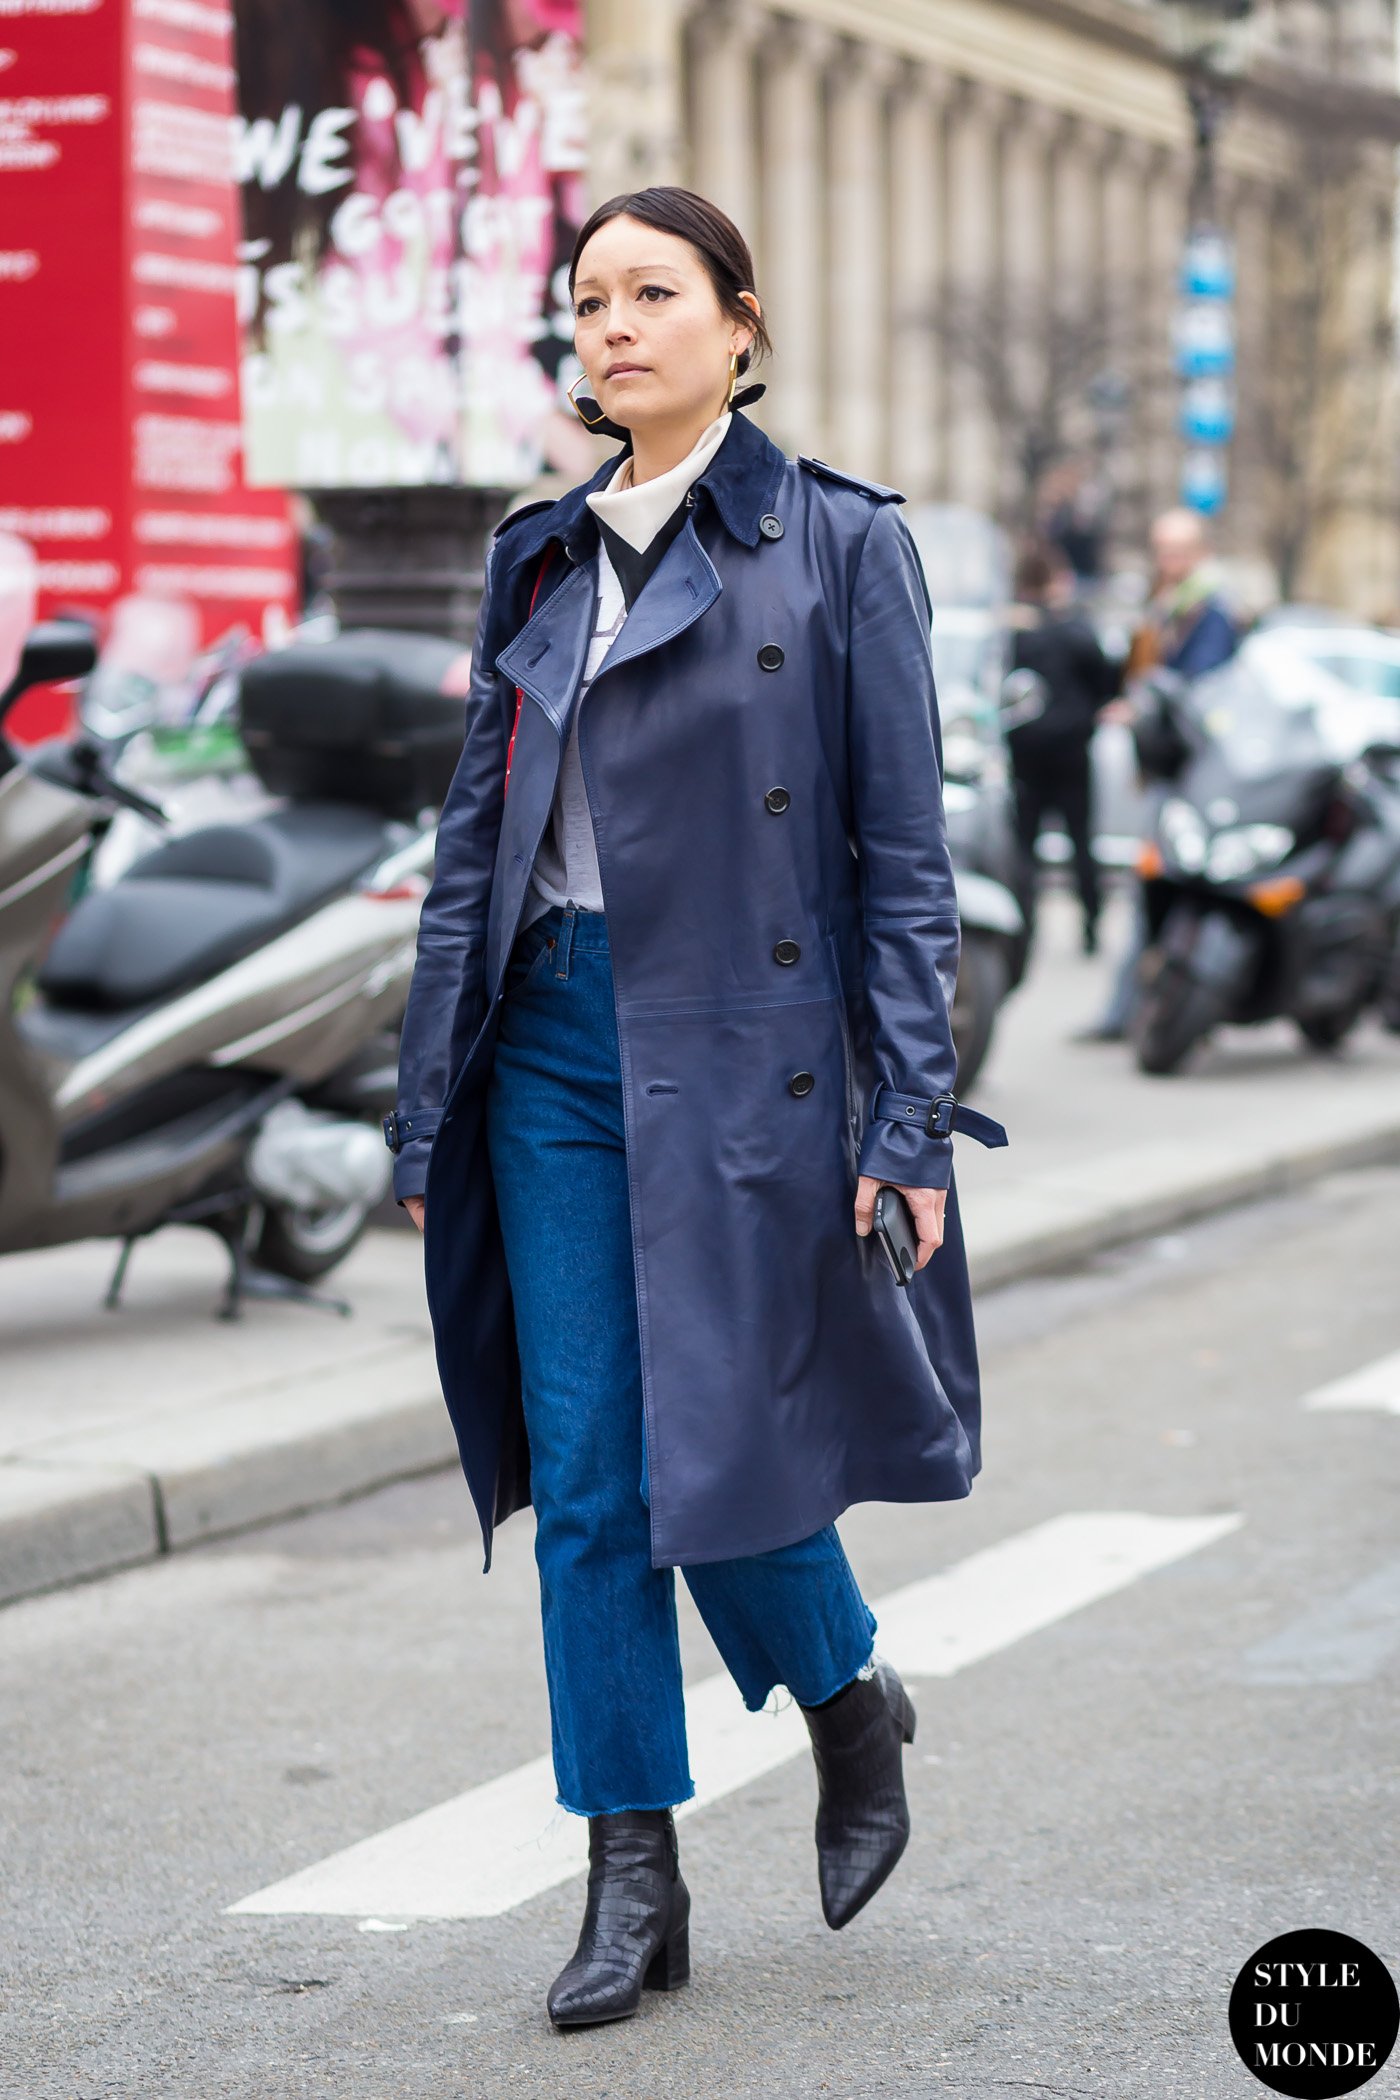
1111	1812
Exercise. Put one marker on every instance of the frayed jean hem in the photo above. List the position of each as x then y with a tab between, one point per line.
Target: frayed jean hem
621	1808
760	1704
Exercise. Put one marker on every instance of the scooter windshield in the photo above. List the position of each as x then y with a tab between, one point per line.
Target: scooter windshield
1271	710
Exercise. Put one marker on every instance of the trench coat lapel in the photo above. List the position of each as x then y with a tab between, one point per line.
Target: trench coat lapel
683	586
546	659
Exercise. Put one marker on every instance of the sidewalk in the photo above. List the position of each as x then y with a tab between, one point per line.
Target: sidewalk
125	1435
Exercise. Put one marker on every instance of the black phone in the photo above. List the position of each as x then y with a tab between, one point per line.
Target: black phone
894	1229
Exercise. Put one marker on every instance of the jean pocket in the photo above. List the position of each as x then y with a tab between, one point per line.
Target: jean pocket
527	963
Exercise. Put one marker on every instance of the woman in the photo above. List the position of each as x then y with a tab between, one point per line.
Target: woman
650	1135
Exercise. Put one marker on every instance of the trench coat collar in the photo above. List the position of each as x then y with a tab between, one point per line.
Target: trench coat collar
741	481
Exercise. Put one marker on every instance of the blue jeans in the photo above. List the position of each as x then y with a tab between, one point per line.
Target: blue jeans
794	1616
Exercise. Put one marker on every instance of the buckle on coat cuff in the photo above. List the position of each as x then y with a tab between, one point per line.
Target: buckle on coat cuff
391	1132
938	1118
942	1116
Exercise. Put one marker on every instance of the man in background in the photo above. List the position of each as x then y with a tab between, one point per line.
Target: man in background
1188	629
1050	753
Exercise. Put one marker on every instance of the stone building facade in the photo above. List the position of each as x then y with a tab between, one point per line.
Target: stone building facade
967	218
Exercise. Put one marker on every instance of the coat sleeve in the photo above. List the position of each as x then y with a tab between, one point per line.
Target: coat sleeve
908	900
447	992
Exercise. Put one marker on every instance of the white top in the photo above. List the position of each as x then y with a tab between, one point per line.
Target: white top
566	866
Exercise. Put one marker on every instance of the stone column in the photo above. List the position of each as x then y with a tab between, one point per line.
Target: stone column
1124	309
1027	138
974	291
917	265
1077	273
723	123
1167	178
792	232
857	277
634	77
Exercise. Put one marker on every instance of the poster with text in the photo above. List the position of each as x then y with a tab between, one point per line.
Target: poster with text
412	179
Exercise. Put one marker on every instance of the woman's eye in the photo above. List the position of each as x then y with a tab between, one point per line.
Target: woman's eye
660	290
583	307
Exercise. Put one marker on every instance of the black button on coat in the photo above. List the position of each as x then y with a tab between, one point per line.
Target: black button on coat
785	1374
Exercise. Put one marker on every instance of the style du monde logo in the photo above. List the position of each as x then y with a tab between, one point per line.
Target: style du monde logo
1314	2014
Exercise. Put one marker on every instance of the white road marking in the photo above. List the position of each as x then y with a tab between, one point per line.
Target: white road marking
501	1843
1347	1639
1376	1386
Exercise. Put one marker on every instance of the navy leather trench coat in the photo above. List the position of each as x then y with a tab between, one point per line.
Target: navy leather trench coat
761	753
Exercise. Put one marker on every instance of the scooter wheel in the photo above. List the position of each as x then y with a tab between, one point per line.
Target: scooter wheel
1329	1031
306	1246
982	985
1171	1016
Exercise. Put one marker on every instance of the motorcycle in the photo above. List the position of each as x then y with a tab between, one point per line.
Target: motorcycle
212	1039
1272	883
990	885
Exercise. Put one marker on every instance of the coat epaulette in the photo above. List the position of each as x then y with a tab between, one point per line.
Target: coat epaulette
876	489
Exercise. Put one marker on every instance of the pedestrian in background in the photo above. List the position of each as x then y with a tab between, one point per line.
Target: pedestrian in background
1189	630
1050	757
681	1005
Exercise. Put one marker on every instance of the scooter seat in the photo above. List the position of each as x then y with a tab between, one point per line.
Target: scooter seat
193	906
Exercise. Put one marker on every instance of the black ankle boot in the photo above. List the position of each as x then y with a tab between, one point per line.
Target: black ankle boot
862	1815
636	1925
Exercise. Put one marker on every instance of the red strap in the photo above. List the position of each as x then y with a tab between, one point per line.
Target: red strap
519	693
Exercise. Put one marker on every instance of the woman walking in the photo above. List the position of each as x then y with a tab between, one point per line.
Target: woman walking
680	1008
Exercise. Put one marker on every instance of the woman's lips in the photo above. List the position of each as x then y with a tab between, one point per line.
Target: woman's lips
626	372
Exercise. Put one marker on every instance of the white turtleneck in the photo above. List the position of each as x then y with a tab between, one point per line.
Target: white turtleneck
566	865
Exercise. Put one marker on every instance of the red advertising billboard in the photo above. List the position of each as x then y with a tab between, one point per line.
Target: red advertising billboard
120	427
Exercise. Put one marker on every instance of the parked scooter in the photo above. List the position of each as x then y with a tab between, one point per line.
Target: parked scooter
1272	885
987	871
212	1039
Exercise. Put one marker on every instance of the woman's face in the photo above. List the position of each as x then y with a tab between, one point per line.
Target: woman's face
650	334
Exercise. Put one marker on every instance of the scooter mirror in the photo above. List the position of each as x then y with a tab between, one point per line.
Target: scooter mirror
55	650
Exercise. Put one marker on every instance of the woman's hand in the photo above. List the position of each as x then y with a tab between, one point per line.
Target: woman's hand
926	1205
414	1206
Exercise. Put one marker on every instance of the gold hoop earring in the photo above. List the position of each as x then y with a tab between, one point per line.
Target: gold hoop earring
593	425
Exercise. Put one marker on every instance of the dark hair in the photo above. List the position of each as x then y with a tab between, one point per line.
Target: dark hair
711	233
1037	565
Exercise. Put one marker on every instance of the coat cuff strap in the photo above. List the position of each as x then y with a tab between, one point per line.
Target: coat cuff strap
400	1130
938	1117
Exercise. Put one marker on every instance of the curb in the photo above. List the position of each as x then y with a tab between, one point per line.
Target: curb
150	1488
1085	1229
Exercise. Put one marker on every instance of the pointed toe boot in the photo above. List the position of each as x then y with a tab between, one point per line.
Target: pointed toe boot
636	1923
858	1741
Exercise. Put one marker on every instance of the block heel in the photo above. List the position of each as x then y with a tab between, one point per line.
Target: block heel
670	1965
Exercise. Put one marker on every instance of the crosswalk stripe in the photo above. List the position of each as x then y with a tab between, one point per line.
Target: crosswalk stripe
1376	1386
503	1842
1346	1639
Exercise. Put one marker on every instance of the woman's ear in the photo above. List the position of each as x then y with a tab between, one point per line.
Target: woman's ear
749	299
